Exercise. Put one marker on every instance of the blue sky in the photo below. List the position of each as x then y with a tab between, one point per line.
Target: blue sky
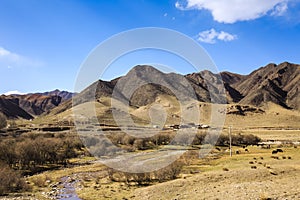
43	43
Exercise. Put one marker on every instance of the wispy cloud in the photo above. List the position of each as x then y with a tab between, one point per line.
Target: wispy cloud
10	59
211	36
280	9
231	11
7	55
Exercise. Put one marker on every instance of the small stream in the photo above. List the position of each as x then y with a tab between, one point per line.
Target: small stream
66	188
68	191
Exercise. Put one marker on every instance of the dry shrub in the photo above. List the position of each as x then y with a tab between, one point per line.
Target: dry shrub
30	150
223	139
3	120
170	172
41	180
128	148
7	152
139	144
11	181
167	173
189	156
38	181
13	124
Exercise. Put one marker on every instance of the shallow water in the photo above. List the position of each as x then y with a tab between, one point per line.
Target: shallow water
68	191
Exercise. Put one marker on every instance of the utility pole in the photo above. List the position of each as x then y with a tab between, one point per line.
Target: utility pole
230	142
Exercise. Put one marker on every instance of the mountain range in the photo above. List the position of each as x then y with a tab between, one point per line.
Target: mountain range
278	84
27	106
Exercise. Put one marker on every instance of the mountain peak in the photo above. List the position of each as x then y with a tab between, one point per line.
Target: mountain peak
274	83
144	69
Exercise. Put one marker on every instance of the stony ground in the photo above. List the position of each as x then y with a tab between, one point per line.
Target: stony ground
238	184
260	183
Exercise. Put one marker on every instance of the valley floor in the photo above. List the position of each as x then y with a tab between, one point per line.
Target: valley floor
237	184
252	174
256	174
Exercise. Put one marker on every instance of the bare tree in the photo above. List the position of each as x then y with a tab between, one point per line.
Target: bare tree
3	121
11	181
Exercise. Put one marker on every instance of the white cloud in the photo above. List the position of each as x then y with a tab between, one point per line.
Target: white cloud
211	36
5	54
13	92
179	6
166	14
280	9
231	11
9	59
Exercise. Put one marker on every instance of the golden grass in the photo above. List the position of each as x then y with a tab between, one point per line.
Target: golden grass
94	187
256	154
284	122
238	181
282	135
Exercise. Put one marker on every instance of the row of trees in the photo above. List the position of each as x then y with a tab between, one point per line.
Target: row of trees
27	152
167	173
100	145
141	143
32	152
200	138
223	139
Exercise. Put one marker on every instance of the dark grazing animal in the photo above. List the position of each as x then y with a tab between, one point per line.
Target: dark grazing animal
279	150
274	152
